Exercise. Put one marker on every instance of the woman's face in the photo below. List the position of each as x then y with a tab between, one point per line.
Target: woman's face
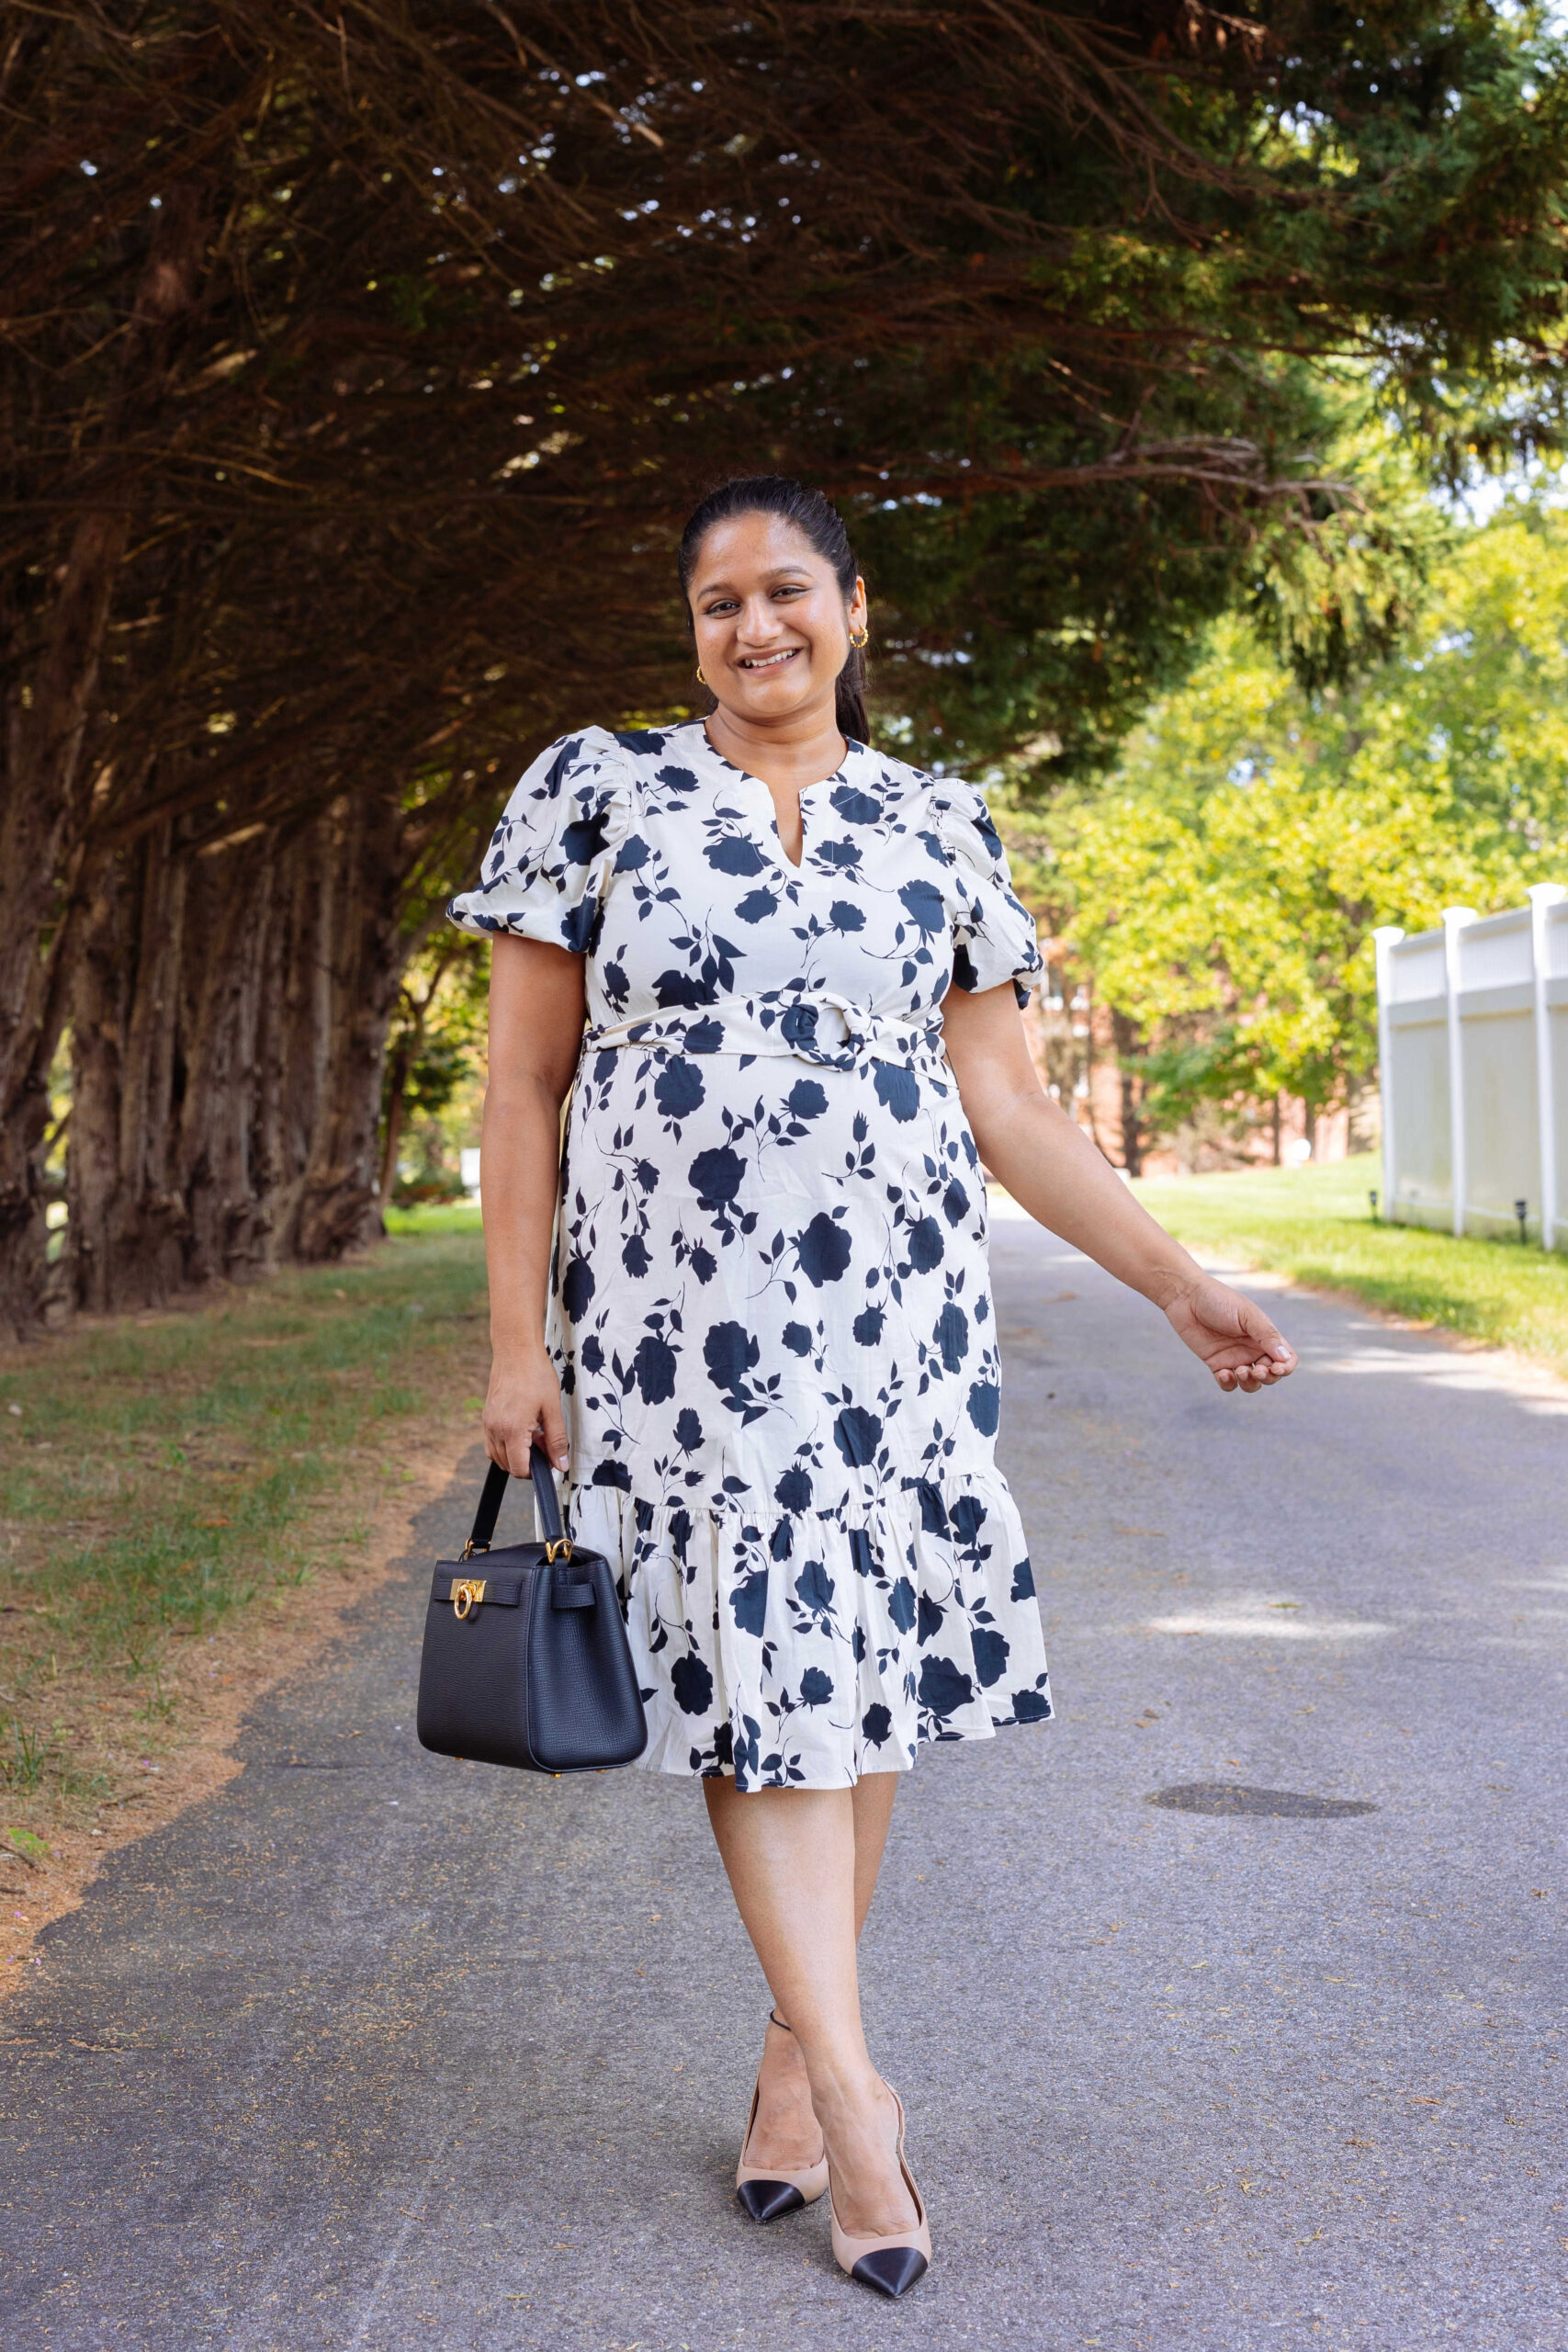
772	627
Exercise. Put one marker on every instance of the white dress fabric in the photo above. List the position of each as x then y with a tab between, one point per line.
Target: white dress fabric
770	1305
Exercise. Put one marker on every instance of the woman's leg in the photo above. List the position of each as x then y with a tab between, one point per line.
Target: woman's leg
786	2131
872	1798
792	1856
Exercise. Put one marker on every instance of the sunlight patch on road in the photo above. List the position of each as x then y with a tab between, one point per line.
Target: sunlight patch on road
1267	1621
1489	1372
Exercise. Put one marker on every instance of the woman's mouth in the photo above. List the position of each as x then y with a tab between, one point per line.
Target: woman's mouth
755	661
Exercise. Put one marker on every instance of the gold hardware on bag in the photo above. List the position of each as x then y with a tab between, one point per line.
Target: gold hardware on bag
466	1593
562	1545
470	1547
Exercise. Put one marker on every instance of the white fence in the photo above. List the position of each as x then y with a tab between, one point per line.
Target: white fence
1472	1029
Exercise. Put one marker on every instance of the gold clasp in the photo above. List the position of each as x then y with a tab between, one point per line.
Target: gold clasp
562	1545
467	1594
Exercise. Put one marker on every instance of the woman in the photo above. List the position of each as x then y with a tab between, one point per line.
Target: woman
764	1349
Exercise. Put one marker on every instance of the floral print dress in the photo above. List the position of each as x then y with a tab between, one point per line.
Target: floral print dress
770	1303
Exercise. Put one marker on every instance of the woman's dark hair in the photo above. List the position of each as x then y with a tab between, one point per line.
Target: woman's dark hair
821	525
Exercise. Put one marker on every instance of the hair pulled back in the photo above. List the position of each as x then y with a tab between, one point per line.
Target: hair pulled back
821	525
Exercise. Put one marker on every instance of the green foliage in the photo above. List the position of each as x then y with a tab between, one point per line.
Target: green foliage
433	1050
1224	887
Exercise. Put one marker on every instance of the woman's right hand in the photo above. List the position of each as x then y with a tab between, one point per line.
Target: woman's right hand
524	1403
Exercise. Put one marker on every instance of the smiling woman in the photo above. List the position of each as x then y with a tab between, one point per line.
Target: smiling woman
772	587
753	1291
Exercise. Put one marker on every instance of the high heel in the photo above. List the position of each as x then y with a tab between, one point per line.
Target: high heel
893	2263
769	2190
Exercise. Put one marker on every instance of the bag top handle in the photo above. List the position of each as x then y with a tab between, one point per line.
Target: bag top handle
493	1495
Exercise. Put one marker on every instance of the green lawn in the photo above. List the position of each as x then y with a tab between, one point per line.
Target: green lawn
436	1218
1316	1224
160	1472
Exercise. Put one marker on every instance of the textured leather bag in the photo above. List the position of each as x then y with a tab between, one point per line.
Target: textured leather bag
526	1660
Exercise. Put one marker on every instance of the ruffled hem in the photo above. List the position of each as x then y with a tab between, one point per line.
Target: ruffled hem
804	1649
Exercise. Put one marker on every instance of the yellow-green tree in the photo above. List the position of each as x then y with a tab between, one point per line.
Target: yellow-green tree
1223	889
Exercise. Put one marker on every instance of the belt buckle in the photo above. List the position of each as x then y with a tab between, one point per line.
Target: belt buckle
798	1025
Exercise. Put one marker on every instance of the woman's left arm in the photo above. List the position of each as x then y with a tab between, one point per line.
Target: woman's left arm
1053	1170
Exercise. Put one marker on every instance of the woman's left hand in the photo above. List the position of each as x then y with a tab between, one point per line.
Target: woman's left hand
1236	1340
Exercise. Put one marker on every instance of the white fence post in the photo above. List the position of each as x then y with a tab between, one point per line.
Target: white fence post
1454	921
1542	896
1386	937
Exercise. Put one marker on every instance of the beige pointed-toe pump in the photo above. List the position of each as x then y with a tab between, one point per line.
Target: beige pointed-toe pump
767	2191
891	2265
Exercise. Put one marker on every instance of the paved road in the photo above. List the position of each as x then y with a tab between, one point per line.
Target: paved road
372	2051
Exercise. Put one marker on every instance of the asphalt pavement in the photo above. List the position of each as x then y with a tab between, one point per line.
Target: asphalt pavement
372	2050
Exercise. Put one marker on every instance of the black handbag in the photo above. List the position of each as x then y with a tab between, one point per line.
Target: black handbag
525	1659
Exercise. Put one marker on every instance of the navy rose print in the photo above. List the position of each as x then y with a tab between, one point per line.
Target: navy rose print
770	1305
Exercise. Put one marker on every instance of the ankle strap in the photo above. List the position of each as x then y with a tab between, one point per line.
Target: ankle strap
774	2018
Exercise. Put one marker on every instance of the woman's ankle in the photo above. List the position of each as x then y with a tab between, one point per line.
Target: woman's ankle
847	2094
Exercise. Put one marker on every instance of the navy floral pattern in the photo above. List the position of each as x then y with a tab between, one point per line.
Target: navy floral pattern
770	1304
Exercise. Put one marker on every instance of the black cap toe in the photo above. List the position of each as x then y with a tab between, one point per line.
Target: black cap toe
766	2200
892	2270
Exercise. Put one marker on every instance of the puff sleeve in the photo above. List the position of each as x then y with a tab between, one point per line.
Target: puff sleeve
994	937
550	858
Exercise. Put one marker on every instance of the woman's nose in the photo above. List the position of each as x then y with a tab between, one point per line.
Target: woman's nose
758	622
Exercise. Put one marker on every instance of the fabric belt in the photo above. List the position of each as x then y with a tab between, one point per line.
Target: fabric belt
821	1027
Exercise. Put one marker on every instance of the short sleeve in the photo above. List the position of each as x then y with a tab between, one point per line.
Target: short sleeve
549	859
994	936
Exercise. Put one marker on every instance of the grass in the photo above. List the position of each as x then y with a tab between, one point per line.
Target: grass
162	1472
436	1218
1315	1225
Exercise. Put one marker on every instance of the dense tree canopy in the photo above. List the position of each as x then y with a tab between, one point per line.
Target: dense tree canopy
358	366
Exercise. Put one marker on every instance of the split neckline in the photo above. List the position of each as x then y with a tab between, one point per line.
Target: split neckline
837	775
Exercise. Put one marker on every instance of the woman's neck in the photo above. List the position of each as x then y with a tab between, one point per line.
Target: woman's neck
790	753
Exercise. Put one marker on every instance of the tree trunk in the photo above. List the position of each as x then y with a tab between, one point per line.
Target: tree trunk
1128	1039
393	1136
166	1186
46	793
126	1217
229	1213
48	742
339	1200
294	1018
1279	1129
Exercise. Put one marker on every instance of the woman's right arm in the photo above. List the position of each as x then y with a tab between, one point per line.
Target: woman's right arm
535	1034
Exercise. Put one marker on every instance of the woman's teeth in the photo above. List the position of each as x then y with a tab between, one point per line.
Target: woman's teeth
769	660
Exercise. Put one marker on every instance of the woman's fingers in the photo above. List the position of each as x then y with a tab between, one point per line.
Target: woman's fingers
524	1409
1246	1352
1265	1372
1271	1344
510	1442
553	1421
1267	1356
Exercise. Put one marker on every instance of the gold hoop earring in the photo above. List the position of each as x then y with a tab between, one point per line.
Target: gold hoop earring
861	642
700	680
